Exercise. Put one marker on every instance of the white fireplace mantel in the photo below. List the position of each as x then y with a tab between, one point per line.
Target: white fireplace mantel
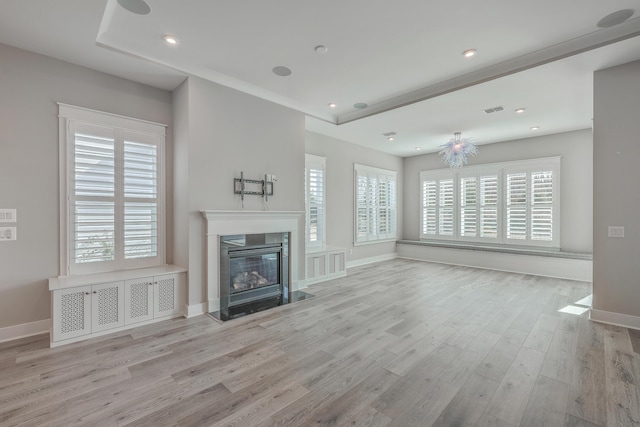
224	223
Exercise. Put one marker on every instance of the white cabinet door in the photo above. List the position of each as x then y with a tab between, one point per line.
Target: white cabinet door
107	306
337	262
316	265
166	300
138	301
71	312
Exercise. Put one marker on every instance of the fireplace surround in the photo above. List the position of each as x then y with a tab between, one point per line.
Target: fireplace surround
228	223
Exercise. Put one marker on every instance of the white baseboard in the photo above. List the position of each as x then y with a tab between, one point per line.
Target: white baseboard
23	330
561	268
371	260
296	285
617	319
195	309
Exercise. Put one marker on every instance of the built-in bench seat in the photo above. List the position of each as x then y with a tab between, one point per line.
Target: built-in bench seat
538	261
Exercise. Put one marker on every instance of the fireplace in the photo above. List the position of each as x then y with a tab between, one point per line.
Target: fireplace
254	272
221	223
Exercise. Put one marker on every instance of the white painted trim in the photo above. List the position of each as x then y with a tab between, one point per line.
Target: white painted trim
23	330
371	260
561	268
617	319
326	278
69	118
73	112
63	282
297	285
194	310
214	304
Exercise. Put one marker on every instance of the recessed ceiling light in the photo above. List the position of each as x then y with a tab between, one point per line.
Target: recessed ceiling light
519	110
139	7
535	127
281	71
615	18
170	40
390	138
418	148
360	105
469	53
332	105
320	49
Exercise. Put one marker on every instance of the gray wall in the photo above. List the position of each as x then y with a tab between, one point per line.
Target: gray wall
341	156
575	181
30	86
616	270
221	132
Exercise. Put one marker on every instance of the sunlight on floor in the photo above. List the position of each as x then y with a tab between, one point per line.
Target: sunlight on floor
580	307
572	309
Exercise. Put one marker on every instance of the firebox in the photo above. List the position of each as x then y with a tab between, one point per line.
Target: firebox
254	272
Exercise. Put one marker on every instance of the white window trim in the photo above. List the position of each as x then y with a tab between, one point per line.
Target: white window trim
67	115
318	163
359	169
528	166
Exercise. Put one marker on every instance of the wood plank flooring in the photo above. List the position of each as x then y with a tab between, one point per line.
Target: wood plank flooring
397	343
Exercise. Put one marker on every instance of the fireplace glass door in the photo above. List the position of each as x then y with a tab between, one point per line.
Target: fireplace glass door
253	272
252	269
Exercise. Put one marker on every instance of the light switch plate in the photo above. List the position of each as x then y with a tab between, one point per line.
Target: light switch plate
7	233
8	215
616	231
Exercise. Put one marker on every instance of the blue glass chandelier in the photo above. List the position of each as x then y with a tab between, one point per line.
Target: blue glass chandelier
454	153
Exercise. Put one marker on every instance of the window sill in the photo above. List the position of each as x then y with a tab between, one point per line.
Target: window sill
321	249
551	253
62	282
374	242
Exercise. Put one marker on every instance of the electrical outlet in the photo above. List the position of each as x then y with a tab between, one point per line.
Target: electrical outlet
615	231
7	233
8	215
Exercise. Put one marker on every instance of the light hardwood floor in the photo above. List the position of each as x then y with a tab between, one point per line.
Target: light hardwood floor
398	343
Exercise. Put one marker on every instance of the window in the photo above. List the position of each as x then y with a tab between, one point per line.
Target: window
315	207
112	190
375	204
512	203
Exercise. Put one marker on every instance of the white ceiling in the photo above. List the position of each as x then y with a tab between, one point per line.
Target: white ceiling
403	58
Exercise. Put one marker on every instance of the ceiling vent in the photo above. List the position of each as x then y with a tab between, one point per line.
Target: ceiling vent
388	134
494	109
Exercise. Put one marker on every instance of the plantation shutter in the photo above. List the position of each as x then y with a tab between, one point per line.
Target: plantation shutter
315	200
468	206
516	206
429	208
362	208
140	197
112	196
92	198
542	205
489	206
386	207
446	201
514	203
372	207
375	210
